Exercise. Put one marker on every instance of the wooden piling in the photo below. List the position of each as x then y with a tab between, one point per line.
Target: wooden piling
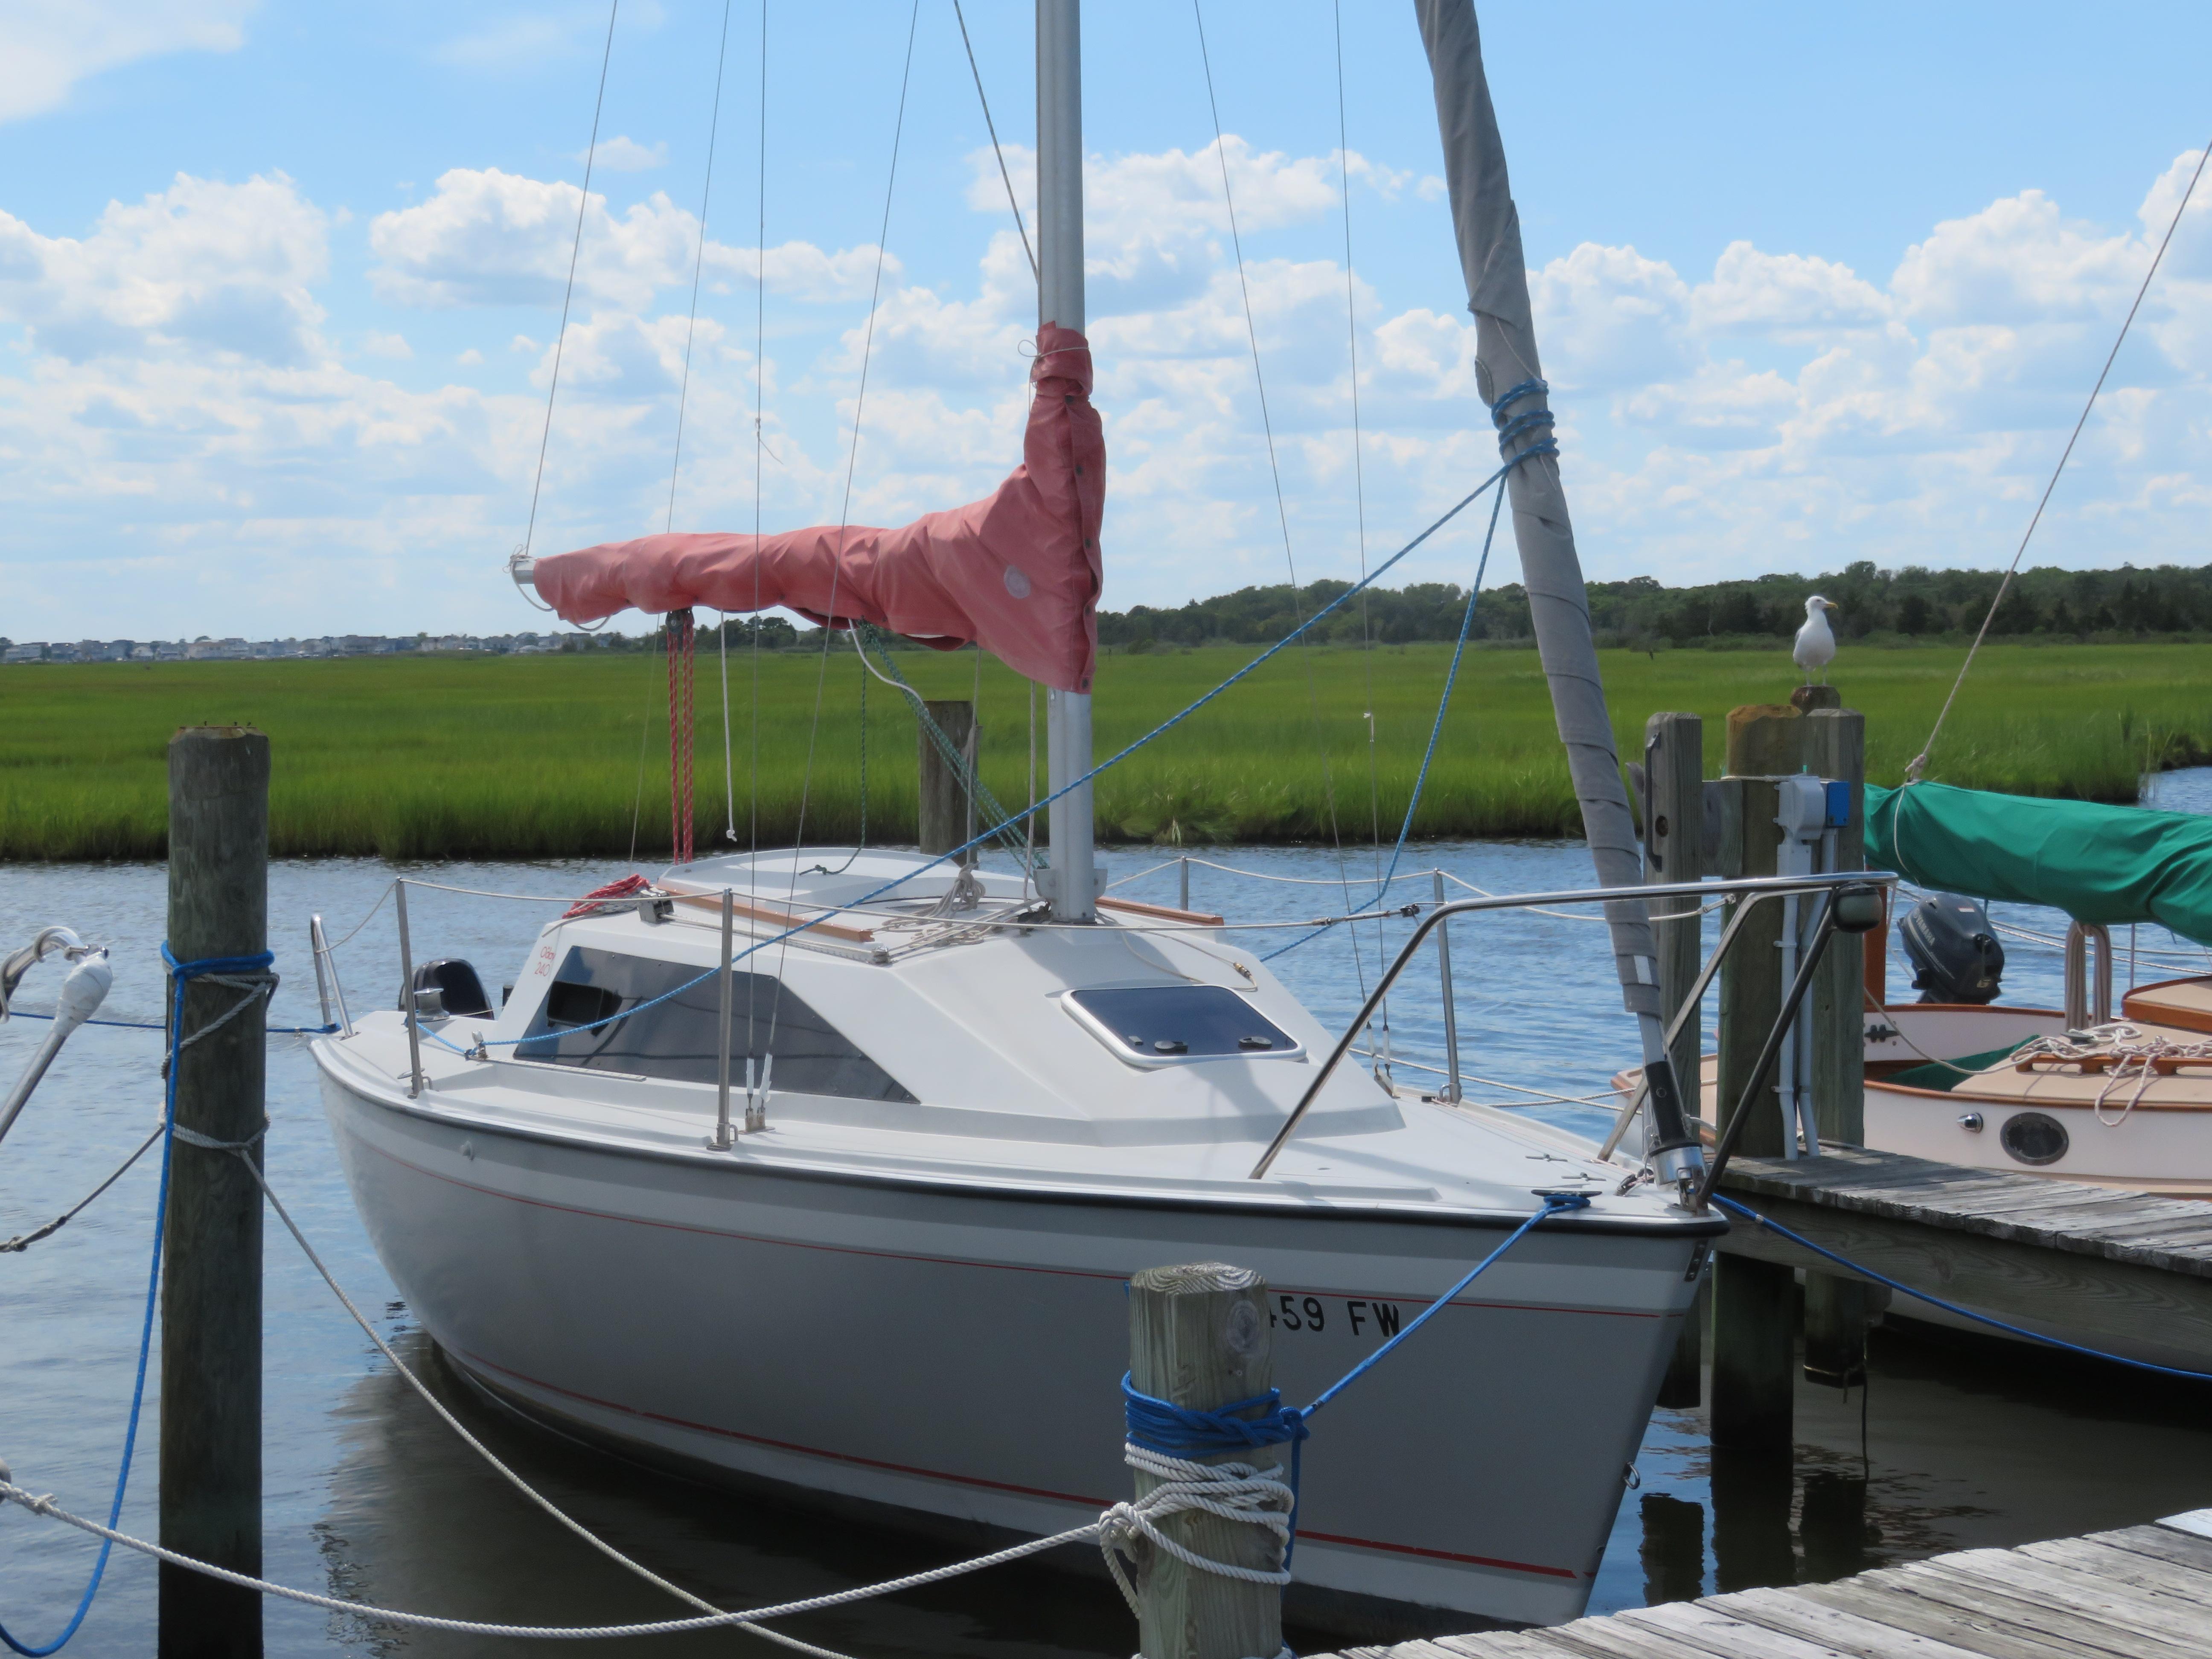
1673	851
210	1461
1199	1338
1753	1313
1836	1308
1754	1304
947	816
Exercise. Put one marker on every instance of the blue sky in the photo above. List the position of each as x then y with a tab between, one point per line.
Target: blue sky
278	285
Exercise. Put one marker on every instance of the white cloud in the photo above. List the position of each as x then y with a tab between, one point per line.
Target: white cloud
624	155
486	237
1791	294
47	46
512	45
175	385
201	265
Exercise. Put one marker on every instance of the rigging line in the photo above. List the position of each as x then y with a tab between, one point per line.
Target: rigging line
1282	511
845	506
698	264
1358	471
1920	761
1029	818
568	293
759	392
682	395
1035	275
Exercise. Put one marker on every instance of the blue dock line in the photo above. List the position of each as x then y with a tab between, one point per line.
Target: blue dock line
1161	1425
182	974
1799	1239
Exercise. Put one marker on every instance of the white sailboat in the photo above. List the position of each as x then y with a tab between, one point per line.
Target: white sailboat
969	1116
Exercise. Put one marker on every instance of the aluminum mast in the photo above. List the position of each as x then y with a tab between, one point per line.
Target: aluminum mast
1059	300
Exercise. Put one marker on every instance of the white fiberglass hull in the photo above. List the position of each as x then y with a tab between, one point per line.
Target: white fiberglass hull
956	1350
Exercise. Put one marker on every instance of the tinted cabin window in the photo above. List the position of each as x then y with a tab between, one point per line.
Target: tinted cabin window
677	1039
1176	1021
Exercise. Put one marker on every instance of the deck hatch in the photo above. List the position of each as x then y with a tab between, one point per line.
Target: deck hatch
675	1040
1177	1024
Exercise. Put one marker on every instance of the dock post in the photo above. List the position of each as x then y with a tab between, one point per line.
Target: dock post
1198	1337
210	1461
1754	1303
1673	850
947	814
1836	1307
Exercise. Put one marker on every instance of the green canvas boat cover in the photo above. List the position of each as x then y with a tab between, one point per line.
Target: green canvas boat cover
2102	864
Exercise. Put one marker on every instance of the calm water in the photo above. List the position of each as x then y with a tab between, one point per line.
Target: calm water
368	1496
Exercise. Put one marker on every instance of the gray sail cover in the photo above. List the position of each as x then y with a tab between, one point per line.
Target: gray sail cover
1489	230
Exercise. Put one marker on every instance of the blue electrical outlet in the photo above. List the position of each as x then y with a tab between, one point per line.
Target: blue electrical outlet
1839	803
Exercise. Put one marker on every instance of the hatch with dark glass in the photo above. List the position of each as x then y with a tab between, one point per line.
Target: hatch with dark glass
1176	1024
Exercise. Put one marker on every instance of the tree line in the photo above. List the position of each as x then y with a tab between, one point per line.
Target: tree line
1912	602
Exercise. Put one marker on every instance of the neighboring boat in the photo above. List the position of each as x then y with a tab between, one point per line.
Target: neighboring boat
2070	1093
973	1112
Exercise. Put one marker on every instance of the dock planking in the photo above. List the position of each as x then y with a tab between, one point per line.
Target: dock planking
2130	1272
2138	1593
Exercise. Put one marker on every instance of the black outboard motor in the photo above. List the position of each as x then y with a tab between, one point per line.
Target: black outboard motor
456	986
1955	950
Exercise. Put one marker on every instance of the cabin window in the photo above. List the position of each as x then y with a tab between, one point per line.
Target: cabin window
677	1039
1162	1024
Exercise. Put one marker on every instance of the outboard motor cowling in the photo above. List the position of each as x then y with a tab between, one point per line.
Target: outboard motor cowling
1953	949
460	992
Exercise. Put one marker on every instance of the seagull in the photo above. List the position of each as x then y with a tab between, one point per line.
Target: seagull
1816	646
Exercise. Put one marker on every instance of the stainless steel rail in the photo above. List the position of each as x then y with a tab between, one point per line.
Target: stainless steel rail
328	989
1754	886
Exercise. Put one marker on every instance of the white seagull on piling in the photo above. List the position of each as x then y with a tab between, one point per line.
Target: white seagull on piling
1816	645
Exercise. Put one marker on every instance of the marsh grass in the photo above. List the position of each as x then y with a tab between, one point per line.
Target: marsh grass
535	756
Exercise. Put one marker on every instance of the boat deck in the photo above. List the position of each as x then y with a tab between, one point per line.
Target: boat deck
2139	1593
2129	1273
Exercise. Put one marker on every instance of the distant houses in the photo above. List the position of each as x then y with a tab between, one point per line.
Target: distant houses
330	645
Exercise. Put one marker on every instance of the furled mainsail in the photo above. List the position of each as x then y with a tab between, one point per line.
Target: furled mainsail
1489	232
1017	573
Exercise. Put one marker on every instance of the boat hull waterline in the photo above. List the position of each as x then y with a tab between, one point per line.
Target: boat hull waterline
957	1353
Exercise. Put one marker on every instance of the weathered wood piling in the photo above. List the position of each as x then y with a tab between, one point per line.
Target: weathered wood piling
210	1461
1727	828
1199	1338
947	814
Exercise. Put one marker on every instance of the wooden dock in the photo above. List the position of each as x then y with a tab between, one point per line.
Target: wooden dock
2128	1271
2140	1593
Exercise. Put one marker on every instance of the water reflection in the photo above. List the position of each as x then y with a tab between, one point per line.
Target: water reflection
1674	1552
413	1521
1955	1441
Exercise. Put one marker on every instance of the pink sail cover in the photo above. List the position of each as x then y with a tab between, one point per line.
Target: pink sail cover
1016	572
